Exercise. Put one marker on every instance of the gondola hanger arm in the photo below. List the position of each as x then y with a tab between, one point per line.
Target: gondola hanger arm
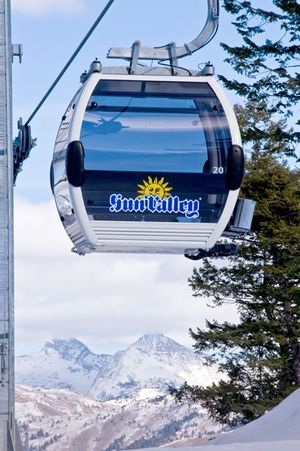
163	53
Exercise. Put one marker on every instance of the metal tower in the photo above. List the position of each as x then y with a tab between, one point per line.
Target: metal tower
7	385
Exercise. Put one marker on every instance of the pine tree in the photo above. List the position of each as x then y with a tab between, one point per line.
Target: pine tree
261	354
267	62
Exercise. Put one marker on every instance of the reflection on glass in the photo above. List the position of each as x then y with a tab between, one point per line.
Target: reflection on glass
150	131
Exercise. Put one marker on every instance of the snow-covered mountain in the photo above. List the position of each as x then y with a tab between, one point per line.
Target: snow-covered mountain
66	364
72	399
59	420
154	361
128	406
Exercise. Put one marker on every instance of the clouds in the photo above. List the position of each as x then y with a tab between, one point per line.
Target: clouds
43	7
103	299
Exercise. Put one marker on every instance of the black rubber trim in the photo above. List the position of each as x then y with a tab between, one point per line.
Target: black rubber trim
235	167
75	164
52	177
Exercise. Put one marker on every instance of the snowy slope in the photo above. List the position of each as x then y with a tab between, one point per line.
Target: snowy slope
67	364
277	430
287	445
281	423
154	361
58	420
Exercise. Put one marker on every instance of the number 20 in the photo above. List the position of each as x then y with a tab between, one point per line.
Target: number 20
218	170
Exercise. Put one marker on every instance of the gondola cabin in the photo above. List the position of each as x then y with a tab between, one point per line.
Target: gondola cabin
147	163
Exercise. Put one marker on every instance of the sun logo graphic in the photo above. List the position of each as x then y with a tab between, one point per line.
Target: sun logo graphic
154	196
154	187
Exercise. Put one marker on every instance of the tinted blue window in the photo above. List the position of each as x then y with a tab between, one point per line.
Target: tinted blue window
154	127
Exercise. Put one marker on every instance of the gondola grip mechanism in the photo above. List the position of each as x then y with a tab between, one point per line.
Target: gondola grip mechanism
22	146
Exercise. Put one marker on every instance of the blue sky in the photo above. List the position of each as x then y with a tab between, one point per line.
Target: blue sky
105	300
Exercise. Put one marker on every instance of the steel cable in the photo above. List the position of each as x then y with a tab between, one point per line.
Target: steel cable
102	14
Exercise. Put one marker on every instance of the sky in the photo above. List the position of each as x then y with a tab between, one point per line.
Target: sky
107	301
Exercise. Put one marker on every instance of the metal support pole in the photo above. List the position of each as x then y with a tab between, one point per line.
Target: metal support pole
7	385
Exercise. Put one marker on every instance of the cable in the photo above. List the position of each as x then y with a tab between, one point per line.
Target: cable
162	63
102	14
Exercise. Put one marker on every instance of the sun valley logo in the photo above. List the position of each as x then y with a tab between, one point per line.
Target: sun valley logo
154	197
154	188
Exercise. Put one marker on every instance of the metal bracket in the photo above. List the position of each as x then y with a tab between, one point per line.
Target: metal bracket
22	146
163	53
135	56
173	58
3	363
96	66
136	46
17	50
217	251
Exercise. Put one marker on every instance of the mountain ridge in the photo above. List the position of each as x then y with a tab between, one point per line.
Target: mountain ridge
152	361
